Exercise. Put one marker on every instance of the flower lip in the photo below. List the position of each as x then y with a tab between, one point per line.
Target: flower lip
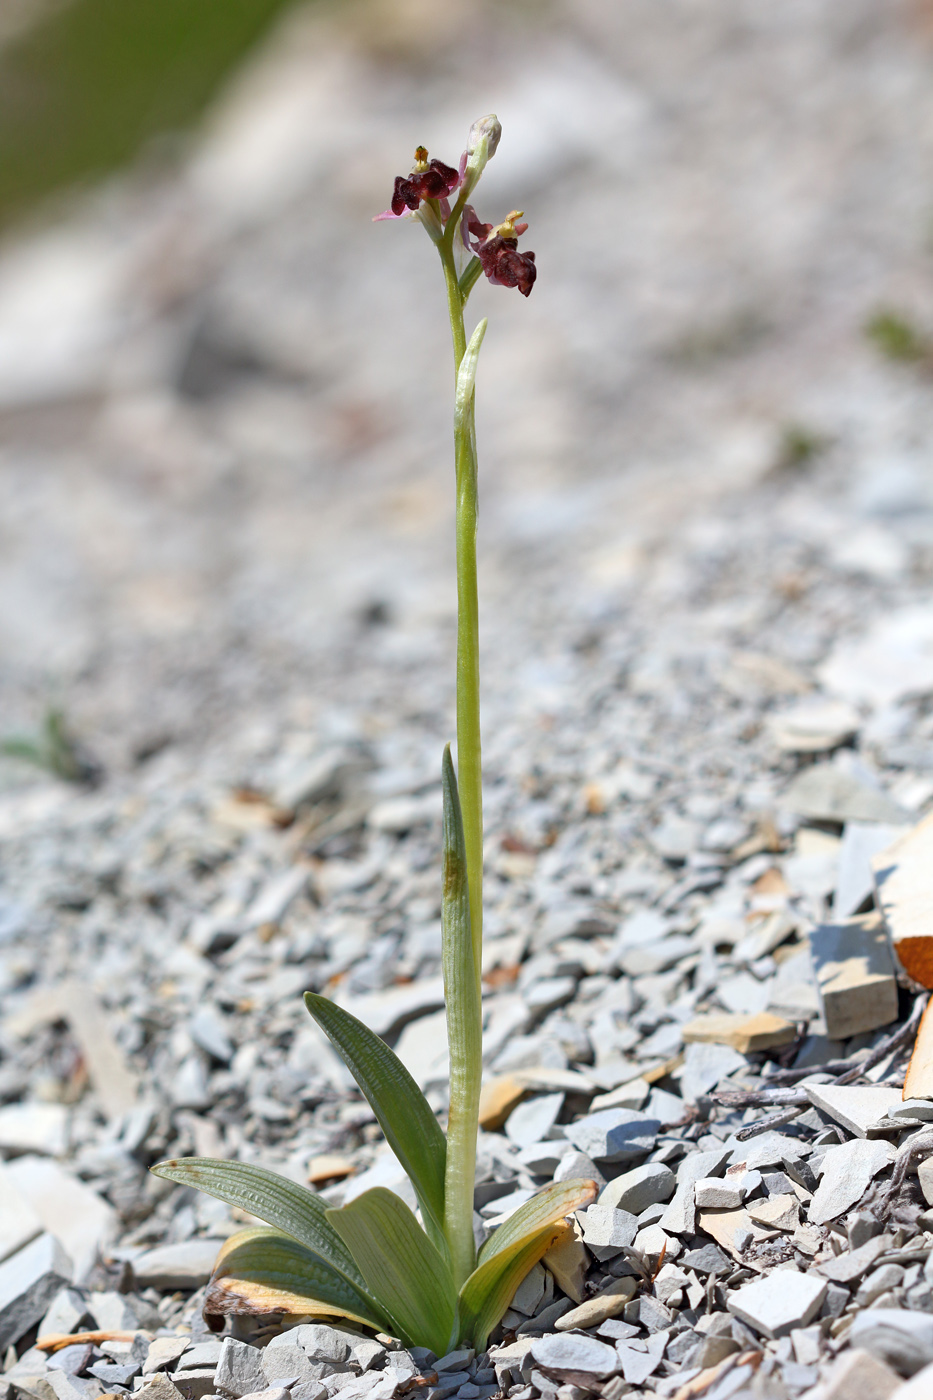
496	246
428	180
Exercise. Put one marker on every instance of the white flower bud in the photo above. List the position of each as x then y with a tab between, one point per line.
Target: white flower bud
481	147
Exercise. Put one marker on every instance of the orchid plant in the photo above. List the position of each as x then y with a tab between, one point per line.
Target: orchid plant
371	1260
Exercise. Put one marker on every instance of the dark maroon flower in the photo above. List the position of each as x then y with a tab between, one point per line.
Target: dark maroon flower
505	266
497	250
428	180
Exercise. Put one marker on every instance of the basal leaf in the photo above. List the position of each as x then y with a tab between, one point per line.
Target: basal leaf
507	1256
405	1116
263	1271
491	1287
285	1204
403	1270
553	1203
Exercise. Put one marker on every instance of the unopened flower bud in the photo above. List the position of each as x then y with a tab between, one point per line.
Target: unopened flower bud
481	147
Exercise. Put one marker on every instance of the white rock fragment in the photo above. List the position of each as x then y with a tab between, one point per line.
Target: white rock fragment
845	1175
19	1222
861	842
34	1127
186	1265
705	1065
862	1108
857	1375
614	1134
775	1305
919	1387
568	1351
639	1188
29	1280
714	1193
533	1120
387	1012
606	1231
901	1339
69	1209
893	658
813	725
855	975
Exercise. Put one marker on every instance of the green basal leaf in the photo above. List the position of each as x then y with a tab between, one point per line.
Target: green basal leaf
507	1256
553	1203
405	1116
490	1288
406	1274
262	1271
289	1207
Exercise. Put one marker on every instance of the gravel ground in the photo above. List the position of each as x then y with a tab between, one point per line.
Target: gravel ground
706	556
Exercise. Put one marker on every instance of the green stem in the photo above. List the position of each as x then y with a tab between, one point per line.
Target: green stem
469	752
463	919
465	1038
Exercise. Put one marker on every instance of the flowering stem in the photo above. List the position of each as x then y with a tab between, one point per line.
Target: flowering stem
463	977
469	753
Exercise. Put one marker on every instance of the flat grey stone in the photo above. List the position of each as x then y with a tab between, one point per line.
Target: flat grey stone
606	1231
387	1012
72	1359
200	1354
707	1260
29	1280
531	1292
186	1266
854	1263
699	1164
574	1166
19	1221
532	1120
862	1108
902	1339
861	841
67	1311
827	792
158	1387
845	1175
195	1384
209	1031
715	1193
283	1360
614	1134
366	1352
112	1373
775	1305
705	1065
567	1351
34	1127
239	1370
68	1387
322	1343
771	1149
639	1188
457	1360
163	1351
638	1365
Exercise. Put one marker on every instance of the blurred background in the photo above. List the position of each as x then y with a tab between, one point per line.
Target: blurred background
225	478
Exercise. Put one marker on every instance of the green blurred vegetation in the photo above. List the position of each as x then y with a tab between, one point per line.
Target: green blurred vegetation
86	87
